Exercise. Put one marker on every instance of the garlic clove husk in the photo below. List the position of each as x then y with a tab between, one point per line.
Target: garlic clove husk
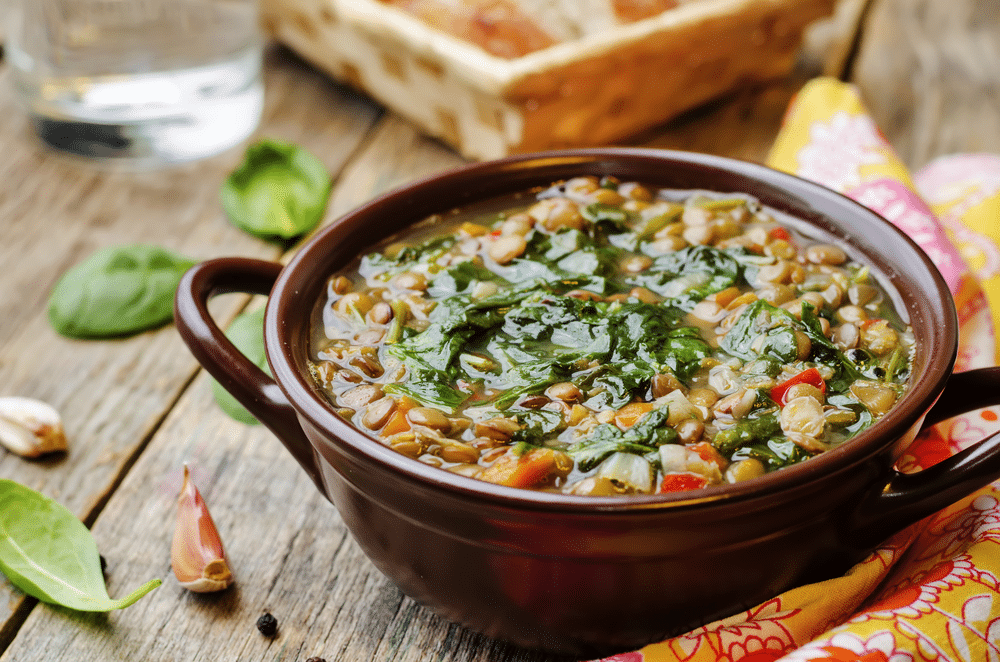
30	427
196	555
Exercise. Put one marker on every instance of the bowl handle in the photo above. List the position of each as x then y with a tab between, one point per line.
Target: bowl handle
250	385
908	498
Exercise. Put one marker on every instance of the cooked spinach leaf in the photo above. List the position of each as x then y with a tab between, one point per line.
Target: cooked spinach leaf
762	330
537	425
539	338
602	442
824	351
642	438
430	388
687	276
459	279
409	256
749	431
604	217
775	453
652	429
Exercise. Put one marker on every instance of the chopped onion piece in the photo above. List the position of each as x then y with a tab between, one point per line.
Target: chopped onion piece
629	469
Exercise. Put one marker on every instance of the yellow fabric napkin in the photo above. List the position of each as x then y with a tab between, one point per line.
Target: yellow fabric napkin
932	591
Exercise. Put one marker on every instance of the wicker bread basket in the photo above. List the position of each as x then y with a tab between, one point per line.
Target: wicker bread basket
590	91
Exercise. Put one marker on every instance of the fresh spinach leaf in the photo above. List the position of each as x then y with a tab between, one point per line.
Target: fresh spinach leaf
279	191
48	553
117	291
247	333
765	332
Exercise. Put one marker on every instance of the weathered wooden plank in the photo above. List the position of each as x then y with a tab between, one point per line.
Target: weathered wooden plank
289	549
930	72
744	124
114	394
830	44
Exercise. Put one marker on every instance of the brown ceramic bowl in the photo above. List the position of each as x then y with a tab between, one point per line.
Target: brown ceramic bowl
589	575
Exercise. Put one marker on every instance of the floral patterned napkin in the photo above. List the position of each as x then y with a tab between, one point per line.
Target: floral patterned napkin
931	592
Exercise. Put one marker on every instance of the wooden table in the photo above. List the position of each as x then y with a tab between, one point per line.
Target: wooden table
137	409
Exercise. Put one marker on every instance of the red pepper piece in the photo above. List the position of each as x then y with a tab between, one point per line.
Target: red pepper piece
808	376
779	233
682	482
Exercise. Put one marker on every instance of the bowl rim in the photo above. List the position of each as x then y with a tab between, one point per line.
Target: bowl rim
312	406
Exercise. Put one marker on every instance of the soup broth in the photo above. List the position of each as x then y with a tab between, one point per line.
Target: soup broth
599	337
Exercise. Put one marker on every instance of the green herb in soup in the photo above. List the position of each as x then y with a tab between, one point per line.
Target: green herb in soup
603	338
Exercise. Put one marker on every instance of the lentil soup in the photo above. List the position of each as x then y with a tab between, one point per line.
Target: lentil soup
600	337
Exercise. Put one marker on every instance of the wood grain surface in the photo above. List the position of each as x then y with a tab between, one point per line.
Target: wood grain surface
928	70
137	409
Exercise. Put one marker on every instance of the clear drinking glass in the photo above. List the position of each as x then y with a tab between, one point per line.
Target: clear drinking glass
142	82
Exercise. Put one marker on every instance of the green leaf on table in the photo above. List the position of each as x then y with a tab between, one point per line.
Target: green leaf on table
48	553
278	192
119	290
247	333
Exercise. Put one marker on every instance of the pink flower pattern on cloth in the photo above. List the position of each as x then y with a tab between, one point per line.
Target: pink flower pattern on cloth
932	591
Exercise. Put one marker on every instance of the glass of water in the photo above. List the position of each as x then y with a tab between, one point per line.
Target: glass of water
141	82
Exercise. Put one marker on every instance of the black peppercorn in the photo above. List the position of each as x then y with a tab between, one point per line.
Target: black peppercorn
104	564
267	624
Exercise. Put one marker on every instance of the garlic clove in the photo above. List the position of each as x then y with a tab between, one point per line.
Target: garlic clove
196	555
30	427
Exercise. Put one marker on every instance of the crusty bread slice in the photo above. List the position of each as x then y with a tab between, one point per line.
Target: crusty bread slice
497	26
513	28
572	19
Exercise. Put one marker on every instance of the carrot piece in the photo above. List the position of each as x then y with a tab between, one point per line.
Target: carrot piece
682	482
709	453
630	414
525	470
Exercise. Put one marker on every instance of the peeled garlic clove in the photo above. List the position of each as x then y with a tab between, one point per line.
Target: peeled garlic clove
30	427
196	555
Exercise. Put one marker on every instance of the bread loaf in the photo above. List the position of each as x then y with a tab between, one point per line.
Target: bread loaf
513	28
599	88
